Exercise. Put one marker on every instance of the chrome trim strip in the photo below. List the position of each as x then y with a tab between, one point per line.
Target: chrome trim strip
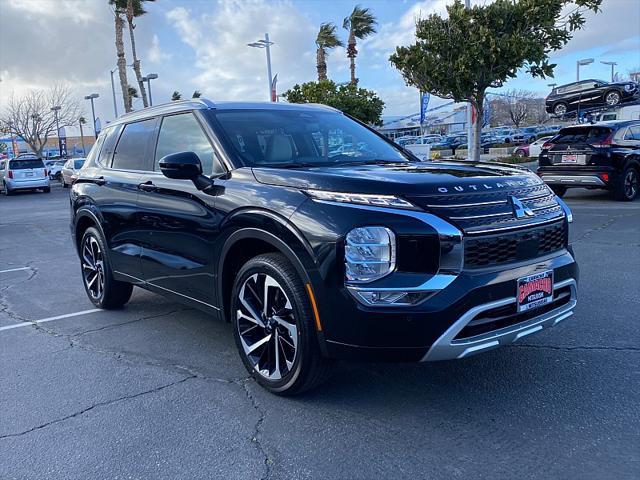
434	284
516	227
446	347
143	282
573	180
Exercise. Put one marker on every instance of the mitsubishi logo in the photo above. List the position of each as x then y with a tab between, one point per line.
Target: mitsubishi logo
520	210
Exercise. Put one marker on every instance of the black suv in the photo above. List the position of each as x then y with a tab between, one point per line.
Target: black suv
601	155
590	93
318	238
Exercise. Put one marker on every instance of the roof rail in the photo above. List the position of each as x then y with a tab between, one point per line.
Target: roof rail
168	107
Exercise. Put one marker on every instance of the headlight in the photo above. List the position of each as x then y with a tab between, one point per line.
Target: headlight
629	87
361	199
370	253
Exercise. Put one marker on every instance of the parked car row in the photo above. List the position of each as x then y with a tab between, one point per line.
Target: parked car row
30	172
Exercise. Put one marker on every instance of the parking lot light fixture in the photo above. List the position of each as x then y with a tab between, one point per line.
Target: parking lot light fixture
551	85
580	63
55	111
613	64
266	44
93	111
147	78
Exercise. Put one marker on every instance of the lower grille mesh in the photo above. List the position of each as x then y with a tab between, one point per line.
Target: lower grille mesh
512	247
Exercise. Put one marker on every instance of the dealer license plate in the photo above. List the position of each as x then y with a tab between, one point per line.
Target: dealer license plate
535	291
569	158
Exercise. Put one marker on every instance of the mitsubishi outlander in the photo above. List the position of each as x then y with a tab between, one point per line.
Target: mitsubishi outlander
317	238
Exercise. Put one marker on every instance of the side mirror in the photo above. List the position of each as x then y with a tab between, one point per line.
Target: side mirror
181	166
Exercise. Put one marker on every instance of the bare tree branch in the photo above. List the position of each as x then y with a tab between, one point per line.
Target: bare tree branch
30	117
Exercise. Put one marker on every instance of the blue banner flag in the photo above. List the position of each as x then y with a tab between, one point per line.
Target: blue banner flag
424	103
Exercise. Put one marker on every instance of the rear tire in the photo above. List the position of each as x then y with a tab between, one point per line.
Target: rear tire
46	189
558	190
288	359
102	289
520	153
64	185
6	190
626	187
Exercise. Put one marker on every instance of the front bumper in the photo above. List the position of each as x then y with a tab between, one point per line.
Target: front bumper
430	331
14	184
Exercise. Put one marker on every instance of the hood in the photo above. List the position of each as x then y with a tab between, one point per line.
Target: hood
402	179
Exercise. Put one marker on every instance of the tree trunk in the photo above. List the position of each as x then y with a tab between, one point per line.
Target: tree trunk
136	62
321	64
352	52
122	63
476	129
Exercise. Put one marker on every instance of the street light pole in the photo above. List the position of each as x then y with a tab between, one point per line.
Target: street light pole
148	78
113	92
579	63
55	110
93	112
613	64
266	44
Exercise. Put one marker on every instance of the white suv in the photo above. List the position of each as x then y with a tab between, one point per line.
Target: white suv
23	173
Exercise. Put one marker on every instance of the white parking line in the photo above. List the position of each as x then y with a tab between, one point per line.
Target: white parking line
50	319
15	269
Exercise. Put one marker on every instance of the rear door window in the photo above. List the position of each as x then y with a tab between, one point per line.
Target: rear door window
25	164
131	151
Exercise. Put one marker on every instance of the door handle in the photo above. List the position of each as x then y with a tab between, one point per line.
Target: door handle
99	180
147	186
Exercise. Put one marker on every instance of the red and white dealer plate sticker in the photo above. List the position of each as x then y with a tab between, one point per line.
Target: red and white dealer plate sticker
535	291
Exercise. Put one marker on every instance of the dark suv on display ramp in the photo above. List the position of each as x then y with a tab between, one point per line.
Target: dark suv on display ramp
246	211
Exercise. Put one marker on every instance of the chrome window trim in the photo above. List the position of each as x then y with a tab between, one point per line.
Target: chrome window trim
446	348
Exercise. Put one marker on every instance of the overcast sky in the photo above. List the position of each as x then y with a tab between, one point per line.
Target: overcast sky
201	45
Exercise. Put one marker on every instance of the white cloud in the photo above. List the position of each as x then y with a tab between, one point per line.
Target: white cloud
155	53
228	68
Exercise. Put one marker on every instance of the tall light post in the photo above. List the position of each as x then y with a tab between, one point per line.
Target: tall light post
93	111
613	64
55	109
148	78
82	121
113	92
552	85
581	63
266	44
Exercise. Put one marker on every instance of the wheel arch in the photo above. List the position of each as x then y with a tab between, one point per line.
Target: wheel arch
254	232
83	219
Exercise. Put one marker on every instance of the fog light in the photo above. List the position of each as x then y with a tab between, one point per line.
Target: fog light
380	298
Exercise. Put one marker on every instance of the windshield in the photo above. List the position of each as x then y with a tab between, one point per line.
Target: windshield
25	164
77	164
582	135
293	138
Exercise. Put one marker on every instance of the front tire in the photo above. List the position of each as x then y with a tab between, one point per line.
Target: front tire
102	289
626	187
560	109
520	153
612	98
274	327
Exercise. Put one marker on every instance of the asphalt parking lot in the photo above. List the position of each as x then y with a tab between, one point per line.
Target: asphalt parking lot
157	390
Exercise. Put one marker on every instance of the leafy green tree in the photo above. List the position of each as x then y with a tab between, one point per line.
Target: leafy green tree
460	56
360	24
325	40
365	105
176	95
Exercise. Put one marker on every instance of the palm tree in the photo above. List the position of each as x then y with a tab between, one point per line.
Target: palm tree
118	11
325	40
133	93
175	96
360	24
196	94
134	8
